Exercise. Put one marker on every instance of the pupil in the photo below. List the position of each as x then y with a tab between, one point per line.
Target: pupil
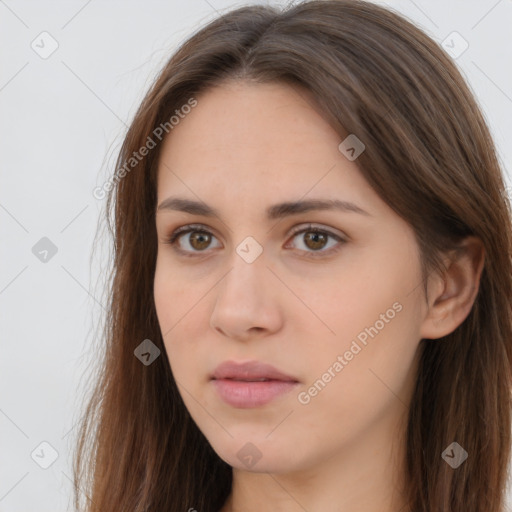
201	238
314	237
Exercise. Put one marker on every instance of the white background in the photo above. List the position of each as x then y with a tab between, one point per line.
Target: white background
61	122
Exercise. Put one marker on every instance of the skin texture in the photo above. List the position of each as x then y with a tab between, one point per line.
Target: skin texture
244	147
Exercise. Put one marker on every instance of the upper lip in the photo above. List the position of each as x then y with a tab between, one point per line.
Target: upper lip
251	370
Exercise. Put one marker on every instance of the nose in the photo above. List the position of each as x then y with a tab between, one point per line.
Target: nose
246	301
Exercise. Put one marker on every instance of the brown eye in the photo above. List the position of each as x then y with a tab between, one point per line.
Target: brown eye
199	240
191	239
315	240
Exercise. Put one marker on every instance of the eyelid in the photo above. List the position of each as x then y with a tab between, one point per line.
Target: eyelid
341	239
185	229
316	227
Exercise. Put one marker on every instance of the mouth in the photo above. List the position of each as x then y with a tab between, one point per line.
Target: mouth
250	384
250	371
252	380
244	394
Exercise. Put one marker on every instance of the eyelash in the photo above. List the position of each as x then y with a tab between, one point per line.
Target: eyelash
201	229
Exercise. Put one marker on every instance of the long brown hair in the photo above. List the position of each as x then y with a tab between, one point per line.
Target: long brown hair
428	154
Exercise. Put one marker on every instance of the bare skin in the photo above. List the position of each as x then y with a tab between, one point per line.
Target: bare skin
298	306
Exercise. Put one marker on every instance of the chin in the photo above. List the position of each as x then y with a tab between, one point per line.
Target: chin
259	455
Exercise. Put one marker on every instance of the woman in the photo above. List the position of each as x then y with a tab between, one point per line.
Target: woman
310	305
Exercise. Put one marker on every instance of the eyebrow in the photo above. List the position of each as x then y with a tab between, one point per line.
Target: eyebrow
274	212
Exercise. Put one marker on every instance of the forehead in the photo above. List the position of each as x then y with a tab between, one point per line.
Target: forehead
256	141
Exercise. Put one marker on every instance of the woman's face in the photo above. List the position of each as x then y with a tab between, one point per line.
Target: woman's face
338	311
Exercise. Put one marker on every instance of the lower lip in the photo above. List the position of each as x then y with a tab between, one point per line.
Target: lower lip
246	394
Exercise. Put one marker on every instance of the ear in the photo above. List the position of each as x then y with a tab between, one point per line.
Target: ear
451	296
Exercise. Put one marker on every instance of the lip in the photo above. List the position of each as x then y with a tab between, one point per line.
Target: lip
250	370
240	384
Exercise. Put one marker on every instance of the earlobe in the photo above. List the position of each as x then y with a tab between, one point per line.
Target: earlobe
454	293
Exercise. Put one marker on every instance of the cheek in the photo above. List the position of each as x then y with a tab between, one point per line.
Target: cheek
178	311
165	291
375	322
173	296
375	379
